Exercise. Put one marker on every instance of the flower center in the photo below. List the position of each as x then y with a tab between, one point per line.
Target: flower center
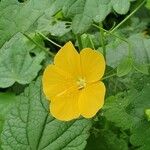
81	83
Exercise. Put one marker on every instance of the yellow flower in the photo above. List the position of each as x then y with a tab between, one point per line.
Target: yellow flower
72	83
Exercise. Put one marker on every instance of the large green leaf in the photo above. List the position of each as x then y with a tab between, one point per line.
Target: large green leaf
84	12
139	51
16	64
20	17
7	101
53	26
30	126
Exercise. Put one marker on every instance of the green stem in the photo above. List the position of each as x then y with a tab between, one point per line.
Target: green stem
112	75
134	11
91	41
108	32
46	38
38	45
79	42
102	40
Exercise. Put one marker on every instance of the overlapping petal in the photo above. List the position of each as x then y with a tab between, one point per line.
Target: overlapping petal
68	59
65	106
55	81
92	64
91	99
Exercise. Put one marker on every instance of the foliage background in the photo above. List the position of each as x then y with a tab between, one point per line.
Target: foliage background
119	29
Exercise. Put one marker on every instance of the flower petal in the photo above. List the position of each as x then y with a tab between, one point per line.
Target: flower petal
93	64
55	81
65	106
91	99
68	59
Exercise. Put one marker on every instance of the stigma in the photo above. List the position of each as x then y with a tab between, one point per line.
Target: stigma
81	83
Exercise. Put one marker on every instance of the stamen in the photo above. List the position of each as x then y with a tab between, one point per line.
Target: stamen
81	83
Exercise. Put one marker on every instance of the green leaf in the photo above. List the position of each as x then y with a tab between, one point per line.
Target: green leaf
147	113
106	140
16	64
7	101
115	110
84	12
141	131
20	17
122	6
124	67
127	109
53	26
140	136
140	52
148	4
30	126
103	8
136	80
141	103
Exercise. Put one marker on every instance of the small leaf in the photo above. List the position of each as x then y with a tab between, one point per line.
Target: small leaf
124	67
122	6
30	126
148	4
147	113
16	64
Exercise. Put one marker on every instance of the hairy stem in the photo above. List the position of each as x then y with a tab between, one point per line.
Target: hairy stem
38	45
102	39
46	38
133	12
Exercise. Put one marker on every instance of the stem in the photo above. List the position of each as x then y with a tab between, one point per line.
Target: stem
112	75
134	11
79	42
102	40
46	38
38	45
91	41
108	32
